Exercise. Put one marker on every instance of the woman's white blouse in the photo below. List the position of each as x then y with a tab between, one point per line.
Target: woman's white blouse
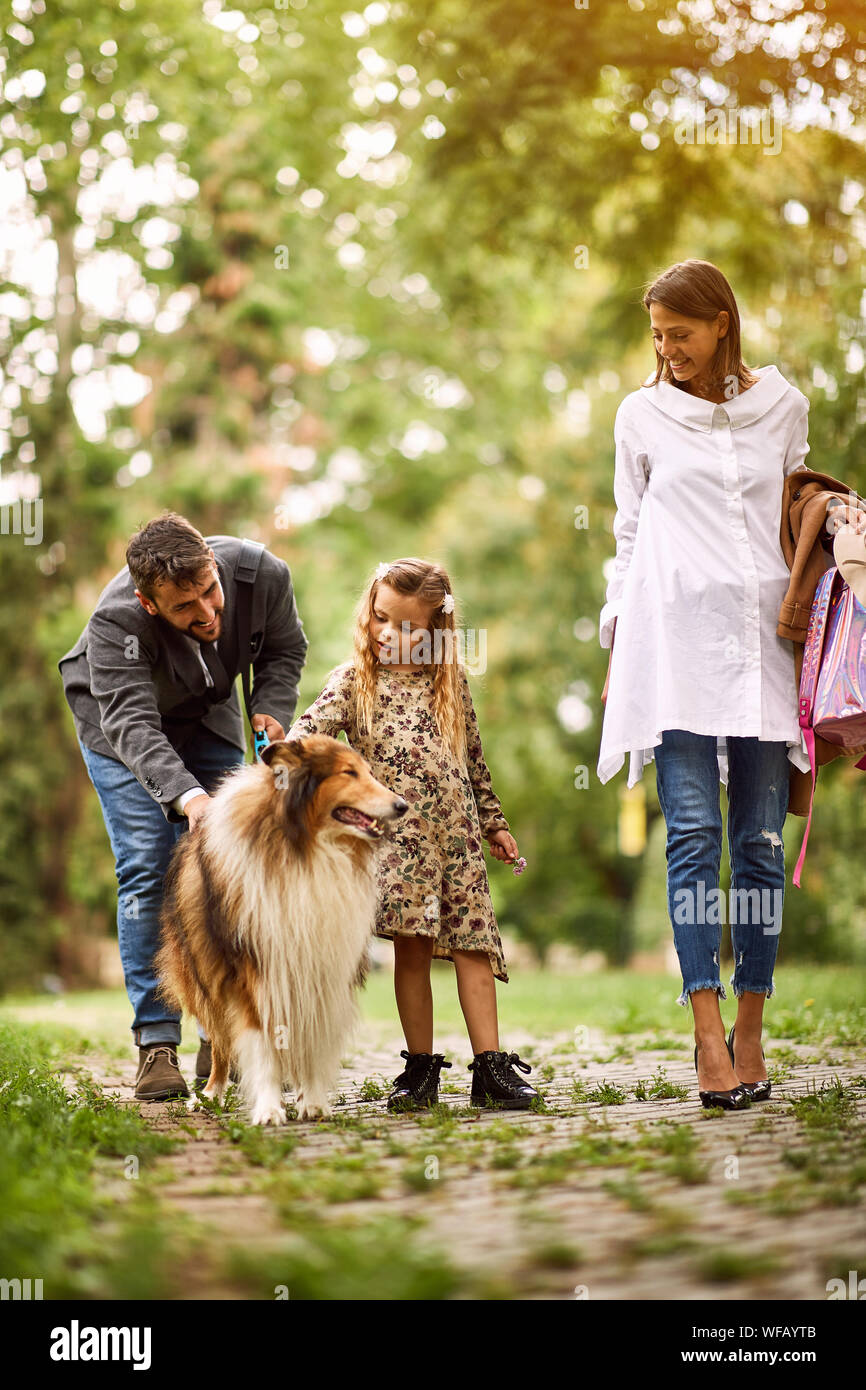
699	575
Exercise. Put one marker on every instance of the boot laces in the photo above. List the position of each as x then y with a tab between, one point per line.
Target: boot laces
505	1059
155	1052
416	1061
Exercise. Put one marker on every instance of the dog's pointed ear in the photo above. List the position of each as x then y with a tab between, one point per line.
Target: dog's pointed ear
282	750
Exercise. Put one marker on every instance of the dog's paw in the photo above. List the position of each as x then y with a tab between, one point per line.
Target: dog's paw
310	1110
215	1093
268	1114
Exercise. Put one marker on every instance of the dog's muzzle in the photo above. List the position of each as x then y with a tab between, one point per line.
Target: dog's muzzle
374	826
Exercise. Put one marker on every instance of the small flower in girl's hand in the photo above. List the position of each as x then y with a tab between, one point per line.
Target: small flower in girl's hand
519	865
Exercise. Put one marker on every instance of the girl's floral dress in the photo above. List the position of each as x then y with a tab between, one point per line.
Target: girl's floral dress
432	874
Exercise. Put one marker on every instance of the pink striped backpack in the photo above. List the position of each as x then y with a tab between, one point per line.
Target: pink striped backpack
833	678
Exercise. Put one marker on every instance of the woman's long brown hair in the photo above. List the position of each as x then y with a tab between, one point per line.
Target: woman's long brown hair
414	578
699	290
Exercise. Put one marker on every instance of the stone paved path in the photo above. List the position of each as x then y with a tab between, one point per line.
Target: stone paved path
669	1230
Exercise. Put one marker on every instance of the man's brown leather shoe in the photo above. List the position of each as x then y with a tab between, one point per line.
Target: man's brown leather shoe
159	1076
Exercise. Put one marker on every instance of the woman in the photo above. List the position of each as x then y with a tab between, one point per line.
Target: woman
698	678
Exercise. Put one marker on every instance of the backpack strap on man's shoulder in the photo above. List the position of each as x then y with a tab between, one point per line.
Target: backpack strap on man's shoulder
246	569
247	562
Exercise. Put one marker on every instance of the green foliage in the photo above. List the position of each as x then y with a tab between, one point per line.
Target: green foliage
55	1212
317	304
375	1260
607	1093
371	1090
659	1088
722	1266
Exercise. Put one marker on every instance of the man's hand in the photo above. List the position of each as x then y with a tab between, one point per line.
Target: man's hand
271	726
503	846
195	809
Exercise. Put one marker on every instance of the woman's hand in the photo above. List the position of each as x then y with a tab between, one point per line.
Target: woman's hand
609	662
503	846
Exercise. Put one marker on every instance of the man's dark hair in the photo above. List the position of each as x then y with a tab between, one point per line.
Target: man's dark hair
166	549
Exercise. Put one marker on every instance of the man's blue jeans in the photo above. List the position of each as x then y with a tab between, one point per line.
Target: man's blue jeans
142	841
687	778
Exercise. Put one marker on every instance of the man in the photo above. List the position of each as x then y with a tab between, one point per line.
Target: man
151	686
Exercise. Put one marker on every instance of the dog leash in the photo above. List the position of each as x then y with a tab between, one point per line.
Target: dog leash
246	569
260	742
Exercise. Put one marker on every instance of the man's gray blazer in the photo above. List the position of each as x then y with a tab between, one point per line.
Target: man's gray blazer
138	692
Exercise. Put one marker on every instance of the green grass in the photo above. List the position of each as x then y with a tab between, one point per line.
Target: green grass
659	1088
376	1259
829	1109
607	1093
557	1254
371	1090
66	1150
826	1160
65	1153
812	1004
722	1266
329	1178
340	1206
629	1192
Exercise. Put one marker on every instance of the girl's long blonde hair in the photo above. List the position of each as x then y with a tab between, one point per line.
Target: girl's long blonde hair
429	583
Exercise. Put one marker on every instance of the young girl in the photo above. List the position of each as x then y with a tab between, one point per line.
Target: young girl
698	678
404	704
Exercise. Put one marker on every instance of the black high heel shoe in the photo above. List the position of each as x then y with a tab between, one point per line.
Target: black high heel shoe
755	1090
736	1099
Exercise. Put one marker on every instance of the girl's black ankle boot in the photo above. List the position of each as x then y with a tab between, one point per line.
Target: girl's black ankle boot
496	1083
418	1085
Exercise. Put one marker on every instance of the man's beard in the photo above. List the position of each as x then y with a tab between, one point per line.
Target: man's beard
195	630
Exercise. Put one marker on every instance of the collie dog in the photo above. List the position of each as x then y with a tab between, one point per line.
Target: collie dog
268	909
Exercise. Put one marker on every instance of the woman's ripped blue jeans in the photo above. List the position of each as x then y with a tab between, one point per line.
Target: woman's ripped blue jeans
687	778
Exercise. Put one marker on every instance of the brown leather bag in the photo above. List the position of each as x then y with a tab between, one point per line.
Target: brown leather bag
807	546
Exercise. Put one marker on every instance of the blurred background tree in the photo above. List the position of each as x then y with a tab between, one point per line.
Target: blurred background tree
367	284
